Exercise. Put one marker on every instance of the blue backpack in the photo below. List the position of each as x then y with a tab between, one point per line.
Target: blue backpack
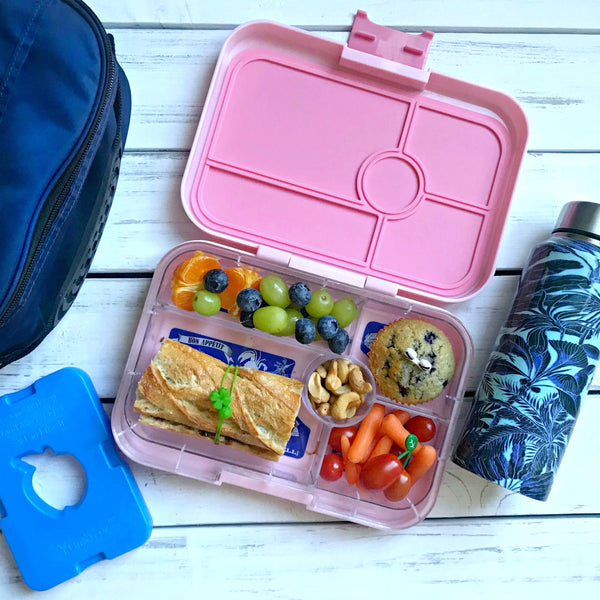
64	114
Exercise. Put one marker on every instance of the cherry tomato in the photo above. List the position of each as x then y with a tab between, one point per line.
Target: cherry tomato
336	435
380	471
399	488
332	467
422	427
396	450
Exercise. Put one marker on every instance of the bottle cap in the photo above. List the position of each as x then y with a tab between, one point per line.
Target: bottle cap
582	218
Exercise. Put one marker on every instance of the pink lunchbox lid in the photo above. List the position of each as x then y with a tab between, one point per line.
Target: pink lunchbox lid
353	161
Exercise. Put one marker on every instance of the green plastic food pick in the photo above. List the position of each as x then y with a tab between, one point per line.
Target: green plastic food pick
221	401
410	443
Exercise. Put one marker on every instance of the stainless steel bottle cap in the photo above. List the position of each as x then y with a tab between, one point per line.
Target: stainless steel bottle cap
580	217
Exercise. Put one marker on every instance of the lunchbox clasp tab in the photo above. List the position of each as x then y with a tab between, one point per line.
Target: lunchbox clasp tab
387	53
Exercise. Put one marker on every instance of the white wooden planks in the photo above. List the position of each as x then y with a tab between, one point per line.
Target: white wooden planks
554	78
530	14
237	543
499	557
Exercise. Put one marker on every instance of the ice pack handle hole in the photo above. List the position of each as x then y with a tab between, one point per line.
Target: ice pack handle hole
59	479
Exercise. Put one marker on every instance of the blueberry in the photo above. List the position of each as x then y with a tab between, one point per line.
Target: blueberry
327	327
339	341
305	331
430	337
246	319
300	294
249	300
216	281
403	390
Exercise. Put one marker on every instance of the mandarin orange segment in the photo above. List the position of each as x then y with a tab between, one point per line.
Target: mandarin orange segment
237	282
188	279
252	279
239	279
182	297
188	276
193	269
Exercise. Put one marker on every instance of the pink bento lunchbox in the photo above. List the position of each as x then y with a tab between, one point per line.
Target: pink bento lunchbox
349	167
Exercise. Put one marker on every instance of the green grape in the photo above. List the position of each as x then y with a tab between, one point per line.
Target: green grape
206	303
293	316
272	319
274	291
320	303
344	311
315	320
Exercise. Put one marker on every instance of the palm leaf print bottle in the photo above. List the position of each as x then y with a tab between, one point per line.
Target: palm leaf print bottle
529	397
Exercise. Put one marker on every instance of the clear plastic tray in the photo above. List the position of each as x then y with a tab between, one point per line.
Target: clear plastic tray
296	475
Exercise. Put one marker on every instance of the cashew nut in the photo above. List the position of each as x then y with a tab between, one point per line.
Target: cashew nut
332	381
343	369
337	388
342	405
324	409
314	385
343	389
316	392
322	371
358	383
350	412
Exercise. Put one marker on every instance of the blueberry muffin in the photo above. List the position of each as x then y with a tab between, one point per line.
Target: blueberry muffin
411	360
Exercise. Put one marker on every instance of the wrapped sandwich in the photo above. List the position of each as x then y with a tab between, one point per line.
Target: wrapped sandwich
174	394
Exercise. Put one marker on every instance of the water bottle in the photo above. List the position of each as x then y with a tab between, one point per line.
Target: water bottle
529	397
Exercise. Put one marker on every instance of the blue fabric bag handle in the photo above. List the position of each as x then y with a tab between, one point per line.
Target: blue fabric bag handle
64	114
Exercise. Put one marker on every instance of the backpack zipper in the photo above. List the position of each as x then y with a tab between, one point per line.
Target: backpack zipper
62	188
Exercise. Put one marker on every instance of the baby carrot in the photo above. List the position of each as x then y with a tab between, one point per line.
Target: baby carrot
392	427
421	463
345	446
352	473
372	445
352	470
383	446
402	415
368	428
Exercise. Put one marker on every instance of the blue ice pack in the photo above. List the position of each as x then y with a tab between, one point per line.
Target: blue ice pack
62	412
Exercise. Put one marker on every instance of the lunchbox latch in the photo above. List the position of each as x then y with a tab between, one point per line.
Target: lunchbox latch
381	285
387	53
274	255
326	271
